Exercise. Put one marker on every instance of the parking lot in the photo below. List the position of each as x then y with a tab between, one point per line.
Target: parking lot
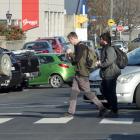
38	114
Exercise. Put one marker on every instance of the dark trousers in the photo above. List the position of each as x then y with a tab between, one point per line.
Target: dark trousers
108	89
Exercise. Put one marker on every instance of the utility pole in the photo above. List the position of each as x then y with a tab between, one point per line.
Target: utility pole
111	14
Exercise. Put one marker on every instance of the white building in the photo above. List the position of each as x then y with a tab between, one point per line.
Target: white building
39	18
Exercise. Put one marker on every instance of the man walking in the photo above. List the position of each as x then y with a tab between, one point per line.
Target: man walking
109	71
81	79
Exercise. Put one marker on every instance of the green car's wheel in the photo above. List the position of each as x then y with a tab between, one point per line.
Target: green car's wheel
56	81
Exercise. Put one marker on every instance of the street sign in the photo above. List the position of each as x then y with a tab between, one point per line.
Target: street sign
120	28
111	22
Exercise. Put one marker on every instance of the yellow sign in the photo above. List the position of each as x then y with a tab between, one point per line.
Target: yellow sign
111	22
80	19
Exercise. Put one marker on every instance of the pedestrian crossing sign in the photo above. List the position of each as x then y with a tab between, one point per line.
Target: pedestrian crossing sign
111	22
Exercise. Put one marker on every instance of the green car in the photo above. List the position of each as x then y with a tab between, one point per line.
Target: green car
54	70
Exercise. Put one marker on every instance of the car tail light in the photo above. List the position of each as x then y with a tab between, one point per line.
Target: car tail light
64	65
45	51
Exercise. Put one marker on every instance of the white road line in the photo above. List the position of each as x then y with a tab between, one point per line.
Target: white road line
61	120
3	120
10	113
117	121
31	106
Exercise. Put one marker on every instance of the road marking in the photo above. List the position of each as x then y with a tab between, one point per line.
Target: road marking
3	120
60	120
29	106
117	121
10	113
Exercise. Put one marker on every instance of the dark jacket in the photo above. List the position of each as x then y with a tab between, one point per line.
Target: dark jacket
109	68
79	59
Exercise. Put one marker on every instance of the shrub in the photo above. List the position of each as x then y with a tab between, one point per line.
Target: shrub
11	32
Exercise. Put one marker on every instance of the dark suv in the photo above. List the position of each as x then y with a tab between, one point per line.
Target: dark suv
13	70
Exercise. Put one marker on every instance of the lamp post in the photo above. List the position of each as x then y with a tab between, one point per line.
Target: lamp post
111	14
8	16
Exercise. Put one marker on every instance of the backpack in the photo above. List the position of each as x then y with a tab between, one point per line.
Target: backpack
91	59
122	59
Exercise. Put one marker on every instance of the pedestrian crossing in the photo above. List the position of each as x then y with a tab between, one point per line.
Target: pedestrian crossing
65	120
61	120
3	120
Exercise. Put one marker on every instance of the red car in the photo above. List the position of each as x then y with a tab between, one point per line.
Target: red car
56	45
41	46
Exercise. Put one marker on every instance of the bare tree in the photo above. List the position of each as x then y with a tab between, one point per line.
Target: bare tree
127	11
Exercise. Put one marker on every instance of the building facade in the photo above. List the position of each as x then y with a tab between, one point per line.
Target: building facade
38	18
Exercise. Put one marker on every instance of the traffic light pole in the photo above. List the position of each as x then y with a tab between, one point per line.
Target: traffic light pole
111	14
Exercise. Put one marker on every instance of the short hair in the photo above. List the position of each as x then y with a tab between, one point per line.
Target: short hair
72	34
106	36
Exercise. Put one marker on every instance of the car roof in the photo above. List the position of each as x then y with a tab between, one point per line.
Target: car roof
36	41
45	38
49	54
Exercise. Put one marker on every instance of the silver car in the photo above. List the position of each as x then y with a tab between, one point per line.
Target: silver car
128	83
121	45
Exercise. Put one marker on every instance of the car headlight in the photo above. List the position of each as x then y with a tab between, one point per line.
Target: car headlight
125	78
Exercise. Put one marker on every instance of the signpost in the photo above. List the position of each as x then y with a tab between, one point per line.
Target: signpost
111	22
120	28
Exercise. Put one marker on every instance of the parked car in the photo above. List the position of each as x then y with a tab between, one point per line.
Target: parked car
122	45
54	70
128	83
39	46
90	44
29	63
135	43
12	76
63	42
55	43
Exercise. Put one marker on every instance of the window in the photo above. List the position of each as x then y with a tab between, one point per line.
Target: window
134	57
46	59
63	58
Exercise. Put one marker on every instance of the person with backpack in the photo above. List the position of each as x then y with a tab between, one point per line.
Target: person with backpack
81	78
109	71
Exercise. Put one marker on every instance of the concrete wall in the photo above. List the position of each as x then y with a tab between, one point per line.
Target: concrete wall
52	26
69	24
15	8
47	27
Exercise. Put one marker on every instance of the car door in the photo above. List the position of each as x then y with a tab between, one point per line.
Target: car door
45	70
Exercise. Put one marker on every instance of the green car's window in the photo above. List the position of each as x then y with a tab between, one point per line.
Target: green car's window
63	58
45	59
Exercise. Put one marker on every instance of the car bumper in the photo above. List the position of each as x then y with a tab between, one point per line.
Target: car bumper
124	91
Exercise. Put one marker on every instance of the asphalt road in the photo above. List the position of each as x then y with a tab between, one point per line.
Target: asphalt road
37	114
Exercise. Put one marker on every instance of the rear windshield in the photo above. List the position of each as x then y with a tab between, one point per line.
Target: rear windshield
63	58
37	45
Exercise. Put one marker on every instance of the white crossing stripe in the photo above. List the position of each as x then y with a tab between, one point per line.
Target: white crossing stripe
60	120
3	120
117	121
10	113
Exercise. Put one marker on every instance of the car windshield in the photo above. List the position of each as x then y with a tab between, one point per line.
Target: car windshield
62	40
118	46
63	58
134	57
37	45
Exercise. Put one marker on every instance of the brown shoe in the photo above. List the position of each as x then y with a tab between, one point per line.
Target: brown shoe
67	114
